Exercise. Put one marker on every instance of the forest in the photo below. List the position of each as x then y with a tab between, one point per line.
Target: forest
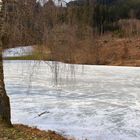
76	31
101	16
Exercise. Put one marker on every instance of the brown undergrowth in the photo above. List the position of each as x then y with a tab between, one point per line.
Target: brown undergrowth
103	51
23	132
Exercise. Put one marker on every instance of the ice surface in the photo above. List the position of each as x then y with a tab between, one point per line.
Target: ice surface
18	51
93	102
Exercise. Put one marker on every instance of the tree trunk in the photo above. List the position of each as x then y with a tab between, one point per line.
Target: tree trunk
5	115
4	99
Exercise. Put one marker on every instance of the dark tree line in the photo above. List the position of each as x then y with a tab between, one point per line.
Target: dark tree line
107	12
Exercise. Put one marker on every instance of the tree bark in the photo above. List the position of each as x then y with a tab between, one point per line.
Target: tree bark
5	114
4	99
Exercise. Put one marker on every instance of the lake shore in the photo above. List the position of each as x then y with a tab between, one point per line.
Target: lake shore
23	132
104	51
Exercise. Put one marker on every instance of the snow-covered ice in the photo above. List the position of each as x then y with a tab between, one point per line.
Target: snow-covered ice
18	51
93	102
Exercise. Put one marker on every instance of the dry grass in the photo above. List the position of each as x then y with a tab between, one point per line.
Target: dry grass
22	132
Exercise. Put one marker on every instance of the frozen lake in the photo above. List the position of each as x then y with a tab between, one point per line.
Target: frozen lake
94	102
